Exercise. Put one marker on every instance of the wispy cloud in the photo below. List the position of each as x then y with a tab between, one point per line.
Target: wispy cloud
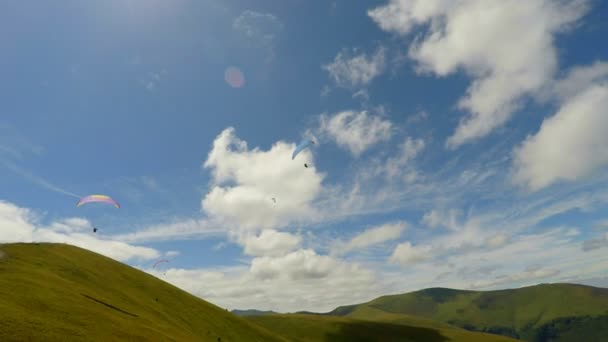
355	131
34	179
371	236
260	29
352	69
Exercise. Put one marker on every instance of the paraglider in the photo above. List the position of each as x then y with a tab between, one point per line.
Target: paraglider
306	165
94	230
98	198
304	144
158	262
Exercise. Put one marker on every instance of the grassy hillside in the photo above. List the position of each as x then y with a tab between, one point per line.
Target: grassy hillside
309	328
60	292
518	312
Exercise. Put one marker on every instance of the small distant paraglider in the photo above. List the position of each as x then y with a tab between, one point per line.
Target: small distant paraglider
303	144
98	198
94	230
274	201
158	263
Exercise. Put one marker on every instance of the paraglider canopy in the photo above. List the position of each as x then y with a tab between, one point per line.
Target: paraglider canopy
98	198
158	262
304	144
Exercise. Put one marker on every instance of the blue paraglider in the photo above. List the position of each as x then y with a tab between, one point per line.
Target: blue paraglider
304	144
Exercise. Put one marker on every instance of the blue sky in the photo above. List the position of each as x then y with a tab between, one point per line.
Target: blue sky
459	144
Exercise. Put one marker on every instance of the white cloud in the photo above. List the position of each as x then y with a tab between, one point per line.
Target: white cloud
20	225
408	150
186	228
446	219
373	236
270	243
299	265
297	281
354	69
505	46
259	26
356	131
573	232
497	240
405	254
579	79
570	145
245	181
432	219
171	254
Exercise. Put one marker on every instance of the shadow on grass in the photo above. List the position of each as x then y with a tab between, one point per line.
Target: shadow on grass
108	305
378	331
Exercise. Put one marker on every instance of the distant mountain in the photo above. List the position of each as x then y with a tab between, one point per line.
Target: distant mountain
252	312
546	312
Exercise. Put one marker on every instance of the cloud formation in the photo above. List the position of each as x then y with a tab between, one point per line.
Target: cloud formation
351	69
372	236
270	243
506	47
355	131
572	143
245	181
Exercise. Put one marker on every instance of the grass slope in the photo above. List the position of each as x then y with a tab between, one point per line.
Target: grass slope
309	328
517	312
60	292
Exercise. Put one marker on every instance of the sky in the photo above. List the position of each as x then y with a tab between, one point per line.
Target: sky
457	144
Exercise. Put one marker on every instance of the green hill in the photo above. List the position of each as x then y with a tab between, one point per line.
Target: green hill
310	328
60	292
523	313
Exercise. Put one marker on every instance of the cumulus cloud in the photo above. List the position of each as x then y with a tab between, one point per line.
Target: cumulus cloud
245	181
20	225
373	236
569	145
352	69
406	254
297	281
270	243
356	131
505	46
